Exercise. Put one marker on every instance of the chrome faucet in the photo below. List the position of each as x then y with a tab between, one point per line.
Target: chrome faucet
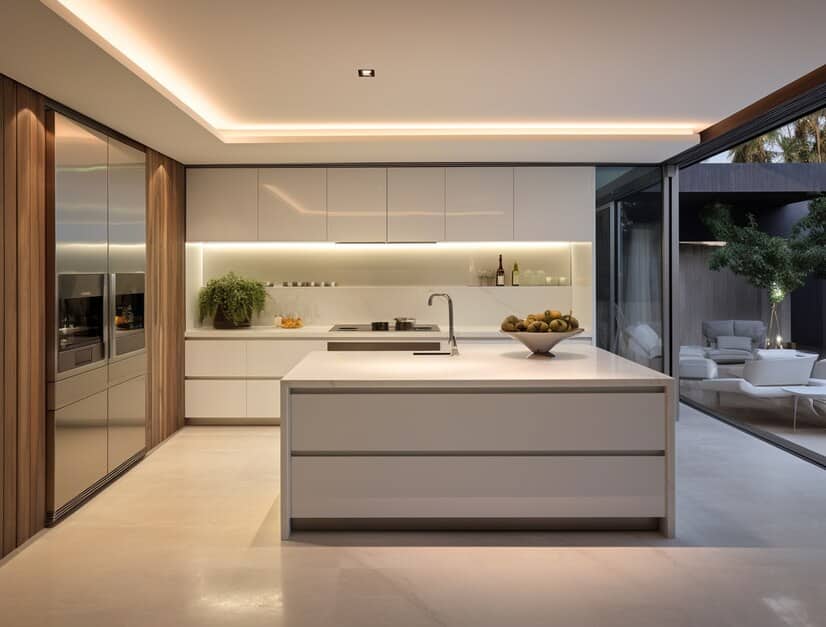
454	349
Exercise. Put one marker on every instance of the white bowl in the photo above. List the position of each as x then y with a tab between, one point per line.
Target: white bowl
542	343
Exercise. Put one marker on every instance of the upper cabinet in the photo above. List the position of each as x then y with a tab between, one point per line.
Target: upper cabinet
357	204
554	203
479	204
292	204
415	204
397	204
221	204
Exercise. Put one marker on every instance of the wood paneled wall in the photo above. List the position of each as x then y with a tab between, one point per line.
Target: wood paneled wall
22	308
166	220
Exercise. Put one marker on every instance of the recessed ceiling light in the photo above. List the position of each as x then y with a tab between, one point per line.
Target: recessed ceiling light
366	72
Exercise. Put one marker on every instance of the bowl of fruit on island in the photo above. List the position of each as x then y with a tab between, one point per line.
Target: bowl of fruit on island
542	331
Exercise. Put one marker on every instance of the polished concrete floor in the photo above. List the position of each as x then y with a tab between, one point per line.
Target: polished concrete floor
190	537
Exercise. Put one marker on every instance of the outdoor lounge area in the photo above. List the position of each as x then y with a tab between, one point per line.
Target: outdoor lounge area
752	328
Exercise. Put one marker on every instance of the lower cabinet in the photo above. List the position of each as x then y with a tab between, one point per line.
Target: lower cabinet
216	398
79	447
263	398
127	420
231	380
233	398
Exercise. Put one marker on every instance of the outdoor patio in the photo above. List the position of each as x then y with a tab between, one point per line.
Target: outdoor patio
772	415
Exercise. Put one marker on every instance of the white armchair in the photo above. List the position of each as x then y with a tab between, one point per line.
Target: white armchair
819	373
766	376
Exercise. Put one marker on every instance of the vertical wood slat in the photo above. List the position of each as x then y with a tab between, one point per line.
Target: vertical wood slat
23	392
31	410
165	289
9	413
31	372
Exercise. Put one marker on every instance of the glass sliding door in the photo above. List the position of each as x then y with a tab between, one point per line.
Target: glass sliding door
630	266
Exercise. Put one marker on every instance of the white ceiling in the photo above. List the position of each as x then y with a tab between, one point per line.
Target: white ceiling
187	77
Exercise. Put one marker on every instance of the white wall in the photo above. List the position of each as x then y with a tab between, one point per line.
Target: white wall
380	282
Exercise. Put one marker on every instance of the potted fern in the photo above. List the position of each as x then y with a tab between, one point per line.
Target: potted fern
231	301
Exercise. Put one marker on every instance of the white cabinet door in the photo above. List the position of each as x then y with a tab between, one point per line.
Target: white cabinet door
221	204
292	204
554	203
215	358
263	398
215	398
479	204
415	204
273	358
357	204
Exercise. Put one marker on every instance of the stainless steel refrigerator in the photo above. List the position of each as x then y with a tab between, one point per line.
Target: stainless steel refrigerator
96	361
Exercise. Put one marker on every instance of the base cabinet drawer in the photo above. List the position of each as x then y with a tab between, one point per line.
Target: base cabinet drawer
263	398
274	358
477	486
215	358
211	398
535	422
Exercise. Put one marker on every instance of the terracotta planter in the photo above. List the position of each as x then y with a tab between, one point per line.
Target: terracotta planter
220	321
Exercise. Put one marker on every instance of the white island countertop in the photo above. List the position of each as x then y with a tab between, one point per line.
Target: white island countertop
503	365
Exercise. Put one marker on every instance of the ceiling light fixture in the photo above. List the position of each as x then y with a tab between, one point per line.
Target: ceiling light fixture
366	72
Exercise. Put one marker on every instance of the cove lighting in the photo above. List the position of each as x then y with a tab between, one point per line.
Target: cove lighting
379	246
100	21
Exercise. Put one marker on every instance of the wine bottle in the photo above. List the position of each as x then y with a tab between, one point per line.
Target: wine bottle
515	274
500	274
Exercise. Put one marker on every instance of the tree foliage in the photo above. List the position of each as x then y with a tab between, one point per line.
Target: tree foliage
771	262
801	141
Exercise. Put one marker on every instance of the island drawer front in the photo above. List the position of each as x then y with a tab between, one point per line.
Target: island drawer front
478	486
448	422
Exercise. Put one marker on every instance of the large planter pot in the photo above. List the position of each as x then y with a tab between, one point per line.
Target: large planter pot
220	321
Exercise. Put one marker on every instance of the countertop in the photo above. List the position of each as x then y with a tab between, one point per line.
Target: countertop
324	333
577	364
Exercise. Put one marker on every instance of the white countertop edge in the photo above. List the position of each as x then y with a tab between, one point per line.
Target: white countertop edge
324	333
298	384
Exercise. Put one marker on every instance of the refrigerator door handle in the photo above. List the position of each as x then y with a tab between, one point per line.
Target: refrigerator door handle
110	312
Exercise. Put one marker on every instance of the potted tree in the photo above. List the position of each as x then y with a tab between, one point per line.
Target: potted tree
774	263
231	301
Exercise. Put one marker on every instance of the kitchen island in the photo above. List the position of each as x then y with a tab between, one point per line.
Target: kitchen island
490	438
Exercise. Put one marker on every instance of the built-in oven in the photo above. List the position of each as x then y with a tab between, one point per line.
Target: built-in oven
81	326
127	313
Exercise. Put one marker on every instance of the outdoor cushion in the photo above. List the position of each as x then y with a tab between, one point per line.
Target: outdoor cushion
730	356
646	339
712	329
754	329
736	342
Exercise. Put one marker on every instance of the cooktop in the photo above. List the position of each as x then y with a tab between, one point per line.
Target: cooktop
433	328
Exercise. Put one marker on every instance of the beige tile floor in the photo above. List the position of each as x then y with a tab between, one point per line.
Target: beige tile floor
190	537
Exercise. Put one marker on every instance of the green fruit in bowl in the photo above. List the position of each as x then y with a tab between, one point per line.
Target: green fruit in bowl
573	323
522	326
558	326
543	327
